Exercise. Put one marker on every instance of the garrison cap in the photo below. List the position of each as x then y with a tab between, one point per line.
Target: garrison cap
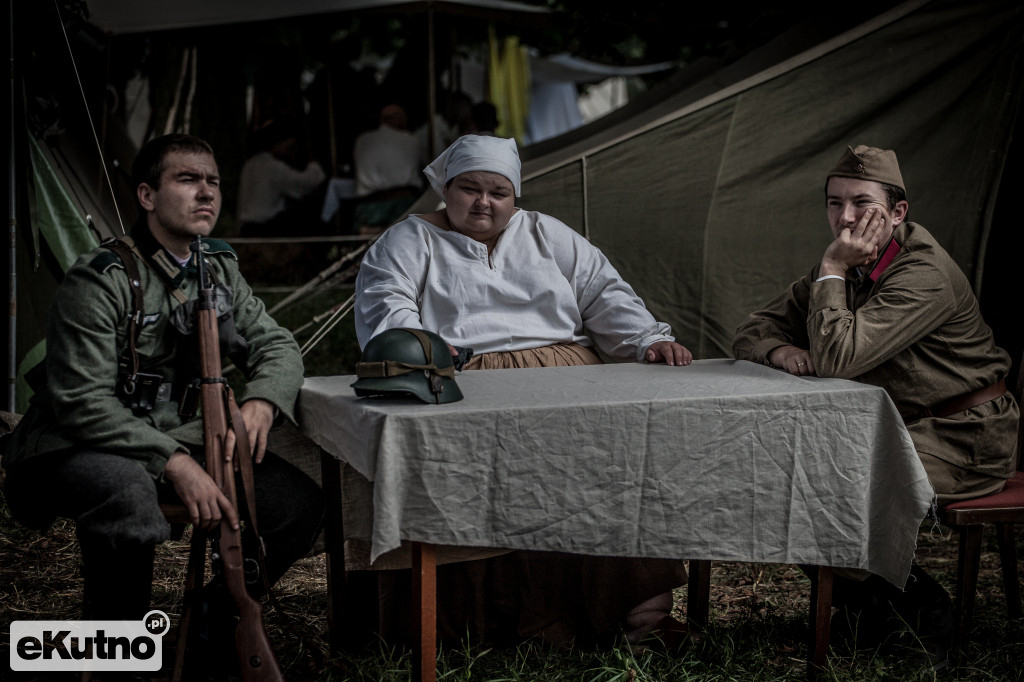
869	163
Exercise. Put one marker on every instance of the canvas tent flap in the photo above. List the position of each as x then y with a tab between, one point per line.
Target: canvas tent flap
63	235
132	16
710	212
55	215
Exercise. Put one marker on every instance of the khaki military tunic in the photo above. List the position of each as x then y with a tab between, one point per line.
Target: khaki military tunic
88	331
911	325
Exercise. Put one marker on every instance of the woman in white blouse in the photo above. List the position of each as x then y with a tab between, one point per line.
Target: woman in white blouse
486	275
521	289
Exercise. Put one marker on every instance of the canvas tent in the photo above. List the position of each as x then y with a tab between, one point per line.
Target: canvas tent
68	172
711	200
131	16
707	195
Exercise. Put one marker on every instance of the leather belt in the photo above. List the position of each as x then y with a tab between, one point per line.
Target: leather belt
967	400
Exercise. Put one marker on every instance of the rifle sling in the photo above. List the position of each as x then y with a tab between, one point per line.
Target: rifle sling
244	460
130	358
243	457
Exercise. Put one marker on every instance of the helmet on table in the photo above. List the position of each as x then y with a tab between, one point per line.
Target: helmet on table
407	361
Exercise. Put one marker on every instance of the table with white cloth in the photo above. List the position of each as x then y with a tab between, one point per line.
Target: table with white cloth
722	460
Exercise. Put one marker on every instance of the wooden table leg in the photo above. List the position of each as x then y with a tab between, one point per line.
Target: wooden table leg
424	598
821	621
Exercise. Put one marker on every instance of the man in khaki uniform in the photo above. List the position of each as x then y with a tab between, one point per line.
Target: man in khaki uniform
109	433
888	306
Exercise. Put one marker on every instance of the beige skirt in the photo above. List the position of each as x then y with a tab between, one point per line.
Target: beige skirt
557	355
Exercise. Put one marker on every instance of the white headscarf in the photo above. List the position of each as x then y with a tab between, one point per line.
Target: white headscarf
475	153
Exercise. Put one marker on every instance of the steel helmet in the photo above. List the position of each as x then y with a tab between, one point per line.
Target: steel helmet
407	361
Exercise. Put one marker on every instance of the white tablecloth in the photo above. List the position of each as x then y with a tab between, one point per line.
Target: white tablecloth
723	460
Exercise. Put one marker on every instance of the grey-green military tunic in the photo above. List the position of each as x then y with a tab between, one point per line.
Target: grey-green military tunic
911	325
88	331
74	452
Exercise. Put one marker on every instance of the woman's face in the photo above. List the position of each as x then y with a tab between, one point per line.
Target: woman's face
479	204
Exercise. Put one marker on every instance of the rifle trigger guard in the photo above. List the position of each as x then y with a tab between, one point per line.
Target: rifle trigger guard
252	571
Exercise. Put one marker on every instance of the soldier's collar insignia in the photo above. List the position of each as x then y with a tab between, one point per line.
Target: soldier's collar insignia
890	253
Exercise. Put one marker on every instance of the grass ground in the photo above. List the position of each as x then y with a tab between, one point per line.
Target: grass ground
758	631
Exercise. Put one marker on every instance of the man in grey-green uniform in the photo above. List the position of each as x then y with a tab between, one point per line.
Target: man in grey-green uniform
888	306
111	429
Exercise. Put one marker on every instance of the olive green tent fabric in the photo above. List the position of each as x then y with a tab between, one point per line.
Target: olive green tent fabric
710	209
55	215
59	232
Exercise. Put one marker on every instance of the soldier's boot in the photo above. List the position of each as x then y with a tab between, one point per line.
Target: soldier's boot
117	586
117	583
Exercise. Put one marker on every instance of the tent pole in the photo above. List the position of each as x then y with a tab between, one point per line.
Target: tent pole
332	132
12	328
431	90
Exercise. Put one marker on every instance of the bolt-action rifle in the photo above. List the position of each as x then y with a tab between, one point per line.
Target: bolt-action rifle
220	413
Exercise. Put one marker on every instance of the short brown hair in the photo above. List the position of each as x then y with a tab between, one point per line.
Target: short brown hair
149	162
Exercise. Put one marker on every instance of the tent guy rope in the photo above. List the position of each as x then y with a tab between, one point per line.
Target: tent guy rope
92	125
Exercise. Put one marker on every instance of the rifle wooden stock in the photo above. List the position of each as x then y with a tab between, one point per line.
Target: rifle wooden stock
255	655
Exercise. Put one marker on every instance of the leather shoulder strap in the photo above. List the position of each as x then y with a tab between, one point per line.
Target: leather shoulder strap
130	359
133	247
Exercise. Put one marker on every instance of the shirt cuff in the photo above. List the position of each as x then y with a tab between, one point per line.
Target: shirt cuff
824	277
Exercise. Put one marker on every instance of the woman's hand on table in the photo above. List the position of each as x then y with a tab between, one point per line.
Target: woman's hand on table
669	352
